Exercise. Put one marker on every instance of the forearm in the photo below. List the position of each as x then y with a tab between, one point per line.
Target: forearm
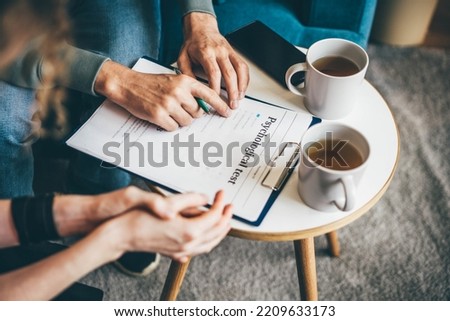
75	214
80	214
47	278
8	232
197	22
72	214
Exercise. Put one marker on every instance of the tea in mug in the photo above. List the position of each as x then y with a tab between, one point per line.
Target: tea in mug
336	66
335	154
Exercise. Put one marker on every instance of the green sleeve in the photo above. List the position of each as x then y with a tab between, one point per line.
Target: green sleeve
82	69
188	6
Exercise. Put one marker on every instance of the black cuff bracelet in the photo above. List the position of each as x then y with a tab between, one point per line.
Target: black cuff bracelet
33	218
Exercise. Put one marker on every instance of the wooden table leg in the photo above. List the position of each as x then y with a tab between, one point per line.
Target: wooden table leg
333	243
174	279
306	268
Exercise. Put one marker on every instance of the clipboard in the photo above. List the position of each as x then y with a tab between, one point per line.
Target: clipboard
252	192
277	180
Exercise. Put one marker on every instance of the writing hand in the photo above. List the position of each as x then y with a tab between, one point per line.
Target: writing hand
164	99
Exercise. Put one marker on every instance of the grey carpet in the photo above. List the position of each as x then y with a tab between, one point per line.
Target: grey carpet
398	251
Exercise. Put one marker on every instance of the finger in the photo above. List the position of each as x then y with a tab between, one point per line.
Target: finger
213	243
204	247
243	76
217	231
135	198
208	95
155	203
228	211
167	207
211	217
184	98
181	202
184	64
209	240
195	211
181	117
218	200
164	121
212	71
192	107
184	259
192	212
230	79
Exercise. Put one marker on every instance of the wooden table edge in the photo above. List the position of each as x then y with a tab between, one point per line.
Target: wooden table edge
316	231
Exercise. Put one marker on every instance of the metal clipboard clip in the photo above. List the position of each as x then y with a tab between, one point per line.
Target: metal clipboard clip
281	165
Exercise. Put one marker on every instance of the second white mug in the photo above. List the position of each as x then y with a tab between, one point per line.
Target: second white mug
335	69
334	158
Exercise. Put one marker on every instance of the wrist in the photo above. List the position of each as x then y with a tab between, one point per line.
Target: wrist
195	22
109	81
74	214
33	218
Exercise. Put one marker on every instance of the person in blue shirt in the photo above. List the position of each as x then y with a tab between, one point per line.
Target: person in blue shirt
110	224
107	38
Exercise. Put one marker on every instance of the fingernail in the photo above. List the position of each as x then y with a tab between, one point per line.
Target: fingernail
241	95
234	104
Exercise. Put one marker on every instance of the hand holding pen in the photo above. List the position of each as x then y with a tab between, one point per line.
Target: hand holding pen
201	103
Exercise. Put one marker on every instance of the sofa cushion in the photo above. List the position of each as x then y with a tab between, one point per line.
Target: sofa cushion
301	22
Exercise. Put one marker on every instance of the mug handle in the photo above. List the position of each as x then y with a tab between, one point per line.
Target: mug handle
349	193
289	73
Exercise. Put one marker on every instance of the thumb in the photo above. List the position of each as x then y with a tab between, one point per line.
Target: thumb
169	207
184	64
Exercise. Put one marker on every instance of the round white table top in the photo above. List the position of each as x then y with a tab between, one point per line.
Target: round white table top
289	218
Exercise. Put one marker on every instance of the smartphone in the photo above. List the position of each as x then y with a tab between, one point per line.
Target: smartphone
268	50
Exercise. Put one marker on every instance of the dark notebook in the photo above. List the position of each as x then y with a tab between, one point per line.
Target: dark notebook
268	50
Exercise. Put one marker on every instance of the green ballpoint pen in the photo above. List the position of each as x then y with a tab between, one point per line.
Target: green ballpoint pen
200	101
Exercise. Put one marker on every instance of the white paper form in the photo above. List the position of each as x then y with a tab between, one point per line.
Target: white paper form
212	153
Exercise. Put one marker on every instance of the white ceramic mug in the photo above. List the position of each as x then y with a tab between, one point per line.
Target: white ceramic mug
323	188
326	96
